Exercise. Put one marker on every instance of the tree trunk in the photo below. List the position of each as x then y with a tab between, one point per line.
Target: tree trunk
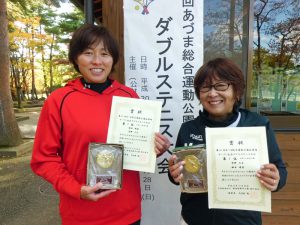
44	66
33	88
15	73
9	131
231	27
51	63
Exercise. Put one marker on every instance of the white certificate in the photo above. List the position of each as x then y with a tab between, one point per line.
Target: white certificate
234	154
133	123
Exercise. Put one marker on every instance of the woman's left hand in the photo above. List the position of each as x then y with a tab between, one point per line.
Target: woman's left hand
268	176
162	144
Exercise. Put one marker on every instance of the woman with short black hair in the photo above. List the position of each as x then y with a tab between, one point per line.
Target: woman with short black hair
76	115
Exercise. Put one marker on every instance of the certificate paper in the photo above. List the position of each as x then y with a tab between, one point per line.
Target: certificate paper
133	123
234	154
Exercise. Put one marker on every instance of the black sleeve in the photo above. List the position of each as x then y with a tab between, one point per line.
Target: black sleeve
178	144
171	179
275	156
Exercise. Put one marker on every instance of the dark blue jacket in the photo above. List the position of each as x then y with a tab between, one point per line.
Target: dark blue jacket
195	206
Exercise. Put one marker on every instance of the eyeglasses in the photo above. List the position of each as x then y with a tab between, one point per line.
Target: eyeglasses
220	86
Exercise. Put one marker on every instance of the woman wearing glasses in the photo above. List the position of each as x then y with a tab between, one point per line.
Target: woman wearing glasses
219	85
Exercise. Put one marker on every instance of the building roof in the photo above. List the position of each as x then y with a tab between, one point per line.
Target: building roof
97	8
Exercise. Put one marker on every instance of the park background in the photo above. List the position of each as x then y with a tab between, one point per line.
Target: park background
261	36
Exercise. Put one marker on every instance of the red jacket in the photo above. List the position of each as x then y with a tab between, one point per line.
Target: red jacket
71	118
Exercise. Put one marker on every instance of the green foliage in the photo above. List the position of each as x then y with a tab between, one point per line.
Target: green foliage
70	22
38	44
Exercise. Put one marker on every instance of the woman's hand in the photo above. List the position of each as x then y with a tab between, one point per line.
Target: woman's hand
89	193
175	169
268	176
162	144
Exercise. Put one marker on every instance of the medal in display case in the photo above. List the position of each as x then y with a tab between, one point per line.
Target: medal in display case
194	170
105	164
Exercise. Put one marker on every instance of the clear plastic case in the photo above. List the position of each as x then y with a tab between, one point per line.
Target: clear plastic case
105	164
194	171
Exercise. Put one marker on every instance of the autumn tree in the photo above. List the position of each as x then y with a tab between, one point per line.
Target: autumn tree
25	38
9	131
264	11
285	48
279	21
286	45
59	28
37	40
224	28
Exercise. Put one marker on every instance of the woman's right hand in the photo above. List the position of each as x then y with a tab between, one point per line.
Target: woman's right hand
175	169
89	193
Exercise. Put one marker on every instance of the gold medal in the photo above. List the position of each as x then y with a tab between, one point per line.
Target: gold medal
192	164
105	159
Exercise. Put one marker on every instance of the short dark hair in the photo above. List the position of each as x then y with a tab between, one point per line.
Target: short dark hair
224	69
88	35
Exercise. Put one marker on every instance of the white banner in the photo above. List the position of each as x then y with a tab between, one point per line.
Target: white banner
163	44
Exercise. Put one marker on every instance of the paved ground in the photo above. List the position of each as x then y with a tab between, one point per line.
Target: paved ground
25	198
28	124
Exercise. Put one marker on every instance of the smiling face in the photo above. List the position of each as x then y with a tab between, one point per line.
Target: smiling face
95	64
218	104
93	52
219	85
